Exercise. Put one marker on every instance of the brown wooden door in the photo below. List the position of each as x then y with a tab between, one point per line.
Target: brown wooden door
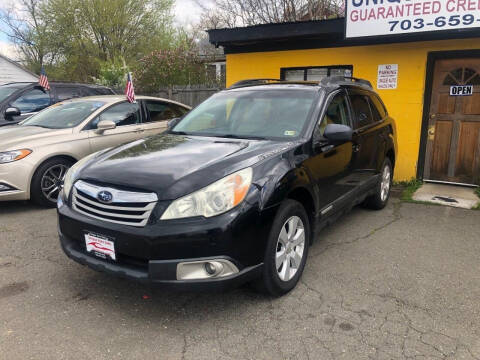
453	146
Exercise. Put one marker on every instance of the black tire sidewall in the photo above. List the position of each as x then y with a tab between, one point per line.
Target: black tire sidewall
272	283
36	194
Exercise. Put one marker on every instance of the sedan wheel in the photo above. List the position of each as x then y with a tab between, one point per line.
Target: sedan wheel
48	180
52	181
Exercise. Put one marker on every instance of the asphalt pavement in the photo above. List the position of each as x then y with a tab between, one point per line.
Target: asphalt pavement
402	283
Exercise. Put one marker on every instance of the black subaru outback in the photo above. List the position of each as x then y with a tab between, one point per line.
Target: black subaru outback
235	190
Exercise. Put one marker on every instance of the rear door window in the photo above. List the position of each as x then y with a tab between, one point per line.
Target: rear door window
161	111
32	101
361	109
65	93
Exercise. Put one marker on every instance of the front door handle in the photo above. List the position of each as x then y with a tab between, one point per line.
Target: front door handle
356	148
139	130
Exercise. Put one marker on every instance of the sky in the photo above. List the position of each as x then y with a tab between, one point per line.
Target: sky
186	12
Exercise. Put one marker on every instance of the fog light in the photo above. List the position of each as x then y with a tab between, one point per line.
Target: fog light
213	268
195	270
5	187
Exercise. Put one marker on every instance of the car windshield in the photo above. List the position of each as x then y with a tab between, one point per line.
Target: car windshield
277	114
63	115
7	90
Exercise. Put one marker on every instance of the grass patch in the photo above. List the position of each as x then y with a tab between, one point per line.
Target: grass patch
477	191
410	187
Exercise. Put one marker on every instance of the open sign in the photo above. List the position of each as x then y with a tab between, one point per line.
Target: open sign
461	90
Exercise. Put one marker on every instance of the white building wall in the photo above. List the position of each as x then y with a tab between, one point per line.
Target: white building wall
10	72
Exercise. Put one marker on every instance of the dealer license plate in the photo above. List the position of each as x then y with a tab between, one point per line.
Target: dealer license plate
100	246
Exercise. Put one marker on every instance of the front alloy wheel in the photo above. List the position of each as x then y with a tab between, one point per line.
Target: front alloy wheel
286	250
47	182
290	248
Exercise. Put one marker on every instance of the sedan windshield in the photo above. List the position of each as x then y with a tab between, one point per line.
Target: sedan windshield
63	115
255	114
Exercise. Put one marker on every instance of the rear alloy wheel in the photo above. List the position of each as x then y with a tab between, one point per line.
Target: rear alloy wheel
48	181
379	200
287	249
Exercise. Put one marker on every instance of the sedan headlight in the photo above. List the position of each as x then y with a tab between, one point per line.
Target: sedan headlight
72	174
10	156
214	199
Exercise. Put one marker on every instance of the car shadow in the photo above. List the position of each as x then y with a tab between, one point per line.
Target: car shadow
12	207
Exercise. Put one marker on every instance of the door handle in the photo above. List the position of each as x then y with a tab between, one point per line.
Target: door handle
356	148
139	130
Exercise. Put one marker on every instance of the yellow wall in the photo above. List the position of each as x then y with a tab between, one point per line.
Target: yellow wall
405	104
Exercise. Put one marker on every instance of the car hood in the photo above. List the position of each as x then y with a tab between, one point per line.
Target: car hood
176	165
16	137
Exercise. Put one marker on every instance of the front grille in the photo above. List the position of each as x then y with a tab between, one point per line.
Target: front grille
126	207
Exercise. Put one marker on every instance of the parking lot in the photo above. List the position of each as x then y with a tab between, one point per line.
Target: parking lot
403	283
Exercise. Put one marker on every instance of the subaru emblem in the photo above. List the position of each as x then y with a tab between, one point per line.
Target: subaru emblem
105	197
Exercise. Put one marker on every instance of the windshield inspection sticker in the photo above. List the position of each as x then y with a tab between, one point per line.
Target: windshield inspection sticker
290	133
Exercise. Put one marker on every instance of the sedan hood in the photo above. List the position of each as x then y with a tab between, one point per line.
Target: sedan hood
175	165
15	137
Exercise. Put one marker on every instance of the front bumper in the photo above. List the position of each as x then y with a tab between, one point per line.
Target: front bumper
151	254
16	175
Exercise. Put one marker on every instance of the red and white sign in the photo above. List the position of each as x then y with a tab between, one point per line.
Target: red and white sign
387	77
390	17
100	246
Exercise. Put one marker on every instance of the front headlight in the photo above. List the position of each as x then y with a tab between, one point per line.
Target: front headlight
10	156
214	199
72	174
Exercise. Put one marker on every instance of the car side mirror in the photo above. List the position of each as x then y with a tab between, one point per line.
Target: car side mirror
104	125
338	134
171	123
11	112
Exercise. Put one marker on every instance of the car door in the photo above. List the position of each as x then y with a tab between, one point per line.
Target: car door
30	102
365	138
157	115
127	118
330	165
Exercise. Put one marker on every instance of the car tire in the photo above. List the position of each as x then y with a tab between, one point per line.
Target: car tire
48	179
382	191
274	280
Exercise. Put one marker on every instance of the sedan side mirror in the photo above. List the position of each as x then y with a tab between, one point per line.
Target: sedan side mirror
171	123
105	125
11	112
337	134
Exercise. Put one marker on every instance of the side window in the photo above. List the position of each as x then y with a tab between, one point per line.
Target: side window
361	110
337	113
377	106
121	114
180	110
32	101
160	111
65	93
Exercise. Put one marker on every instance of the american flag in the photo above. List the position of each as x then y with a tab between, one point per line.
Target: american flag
43	81
129	89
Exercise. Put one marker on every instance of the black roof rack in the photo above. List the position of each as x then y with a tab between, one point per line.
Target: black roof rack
327	81
253	82
342	80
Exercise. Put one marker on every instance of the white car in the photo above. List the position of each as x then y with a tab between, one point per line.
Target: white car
35	155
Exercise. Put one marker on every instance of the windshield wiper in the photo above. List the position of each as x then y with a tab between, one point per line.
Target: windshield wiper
248	137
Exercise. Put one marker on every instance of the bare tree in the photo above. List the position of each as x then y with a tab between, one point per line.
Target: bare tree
233	13
26	27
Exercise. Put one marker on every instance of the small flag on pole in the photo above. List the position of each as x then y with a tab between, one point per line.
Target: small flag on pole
129	92
43	80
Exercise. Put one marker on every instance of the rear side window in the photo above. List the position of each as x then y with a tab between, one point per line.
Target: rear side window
161	111
361	110
377	107
65	93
